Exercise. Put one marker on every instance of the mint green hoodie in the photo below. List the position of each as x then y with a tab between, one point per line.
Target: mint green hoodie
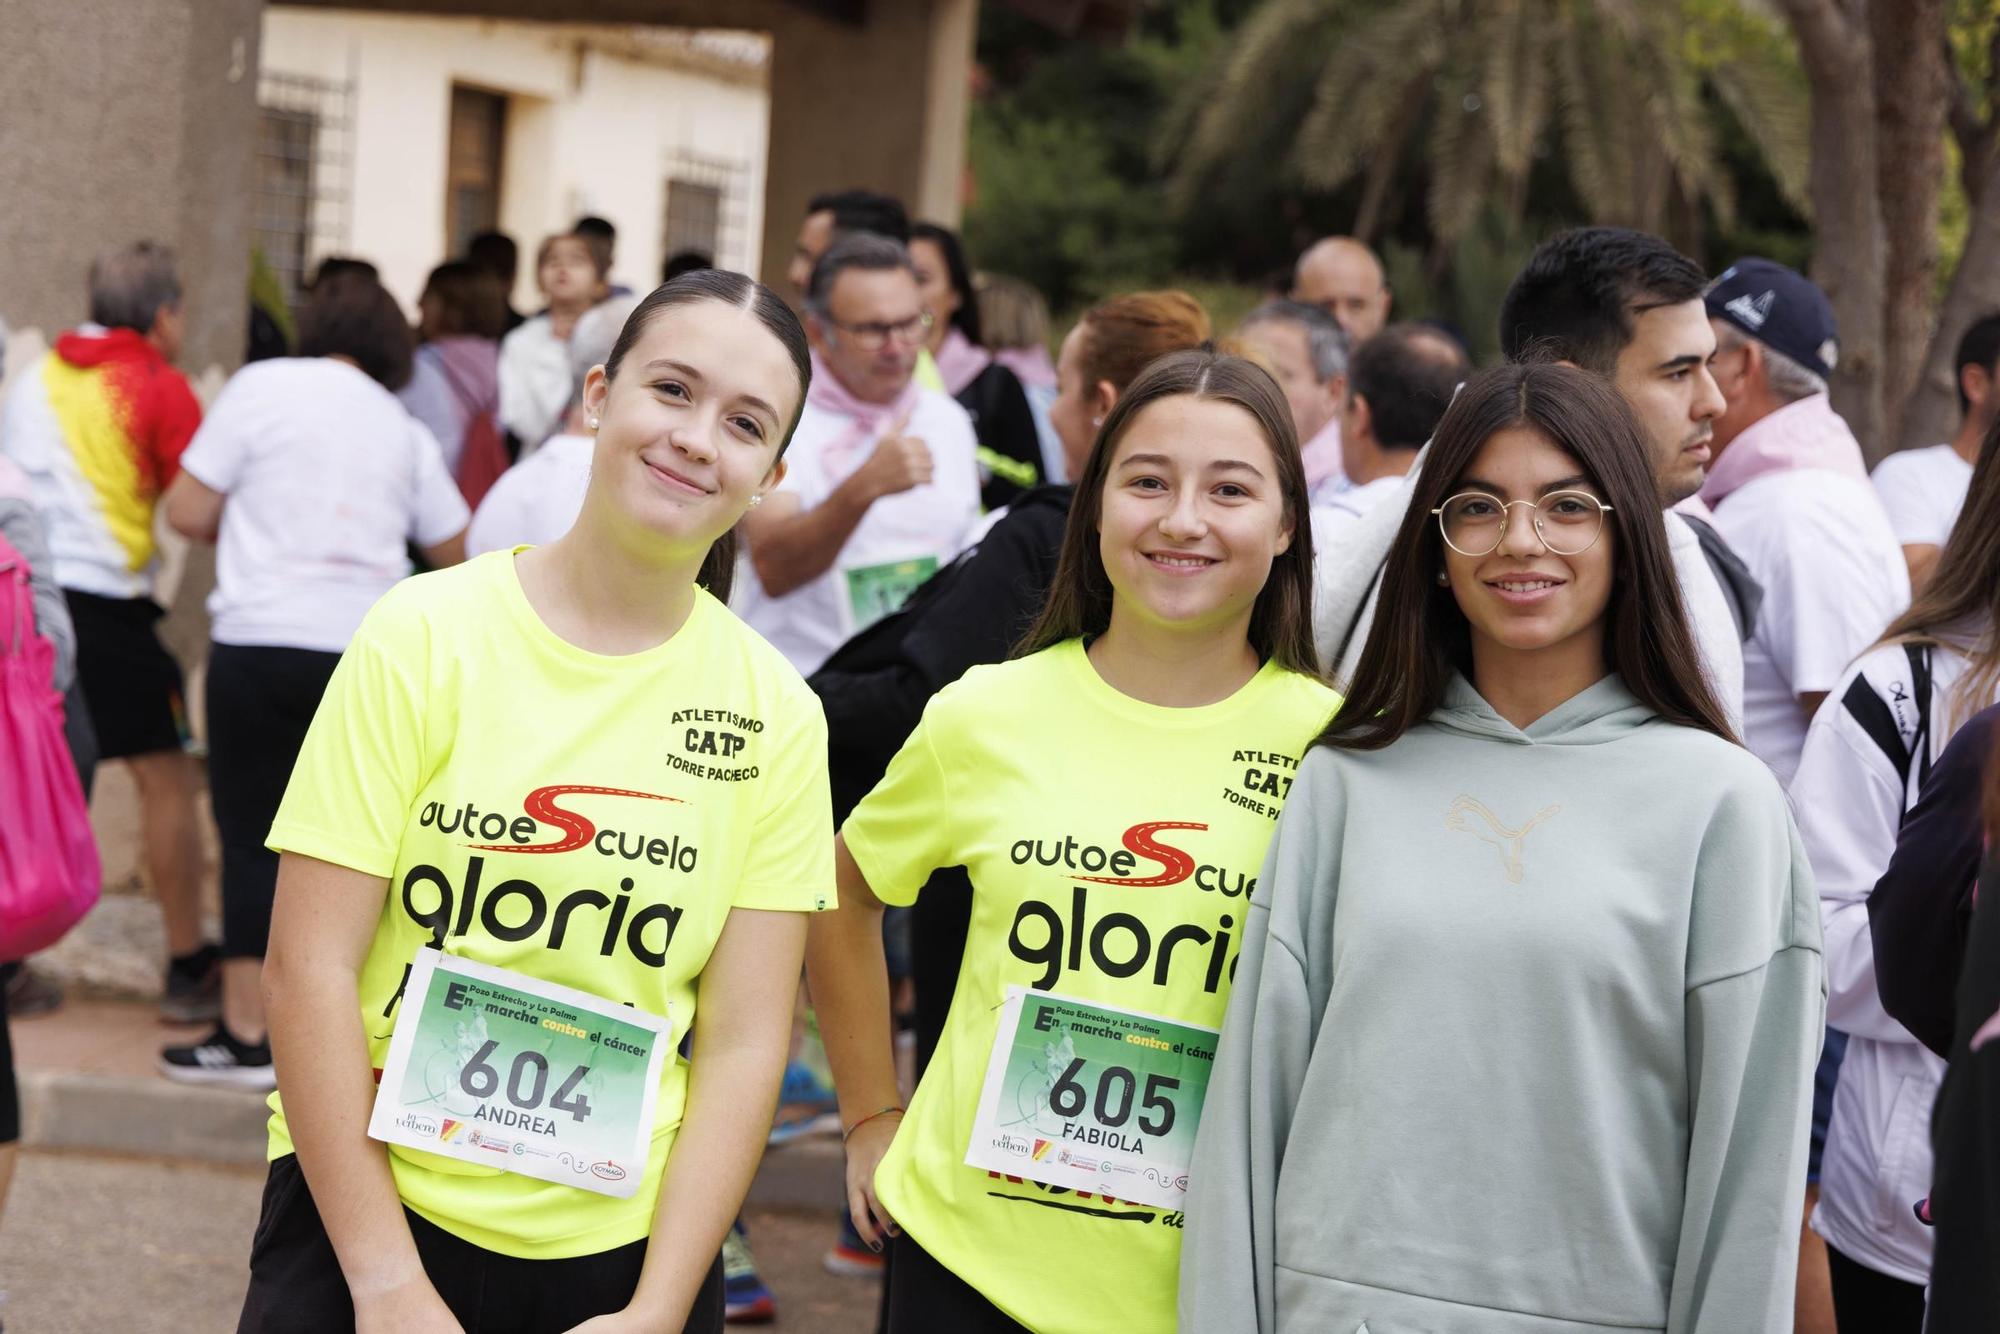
1522	1040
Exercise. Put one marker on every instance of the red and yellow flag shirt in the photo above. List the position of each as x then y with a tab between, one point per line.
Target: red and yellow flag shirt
99	425
586	820
1112	847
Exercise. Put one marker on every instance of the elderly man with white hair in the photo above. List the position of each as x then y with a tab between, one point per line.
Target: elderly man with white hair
538	499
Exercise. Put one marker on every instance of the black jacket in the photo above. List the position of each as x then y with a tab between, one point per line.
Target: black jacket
1965	1134
1919	911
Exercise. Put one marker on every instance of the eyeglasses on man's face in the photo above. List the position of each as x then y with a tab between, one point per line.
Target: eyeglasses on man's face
876	335
1568	523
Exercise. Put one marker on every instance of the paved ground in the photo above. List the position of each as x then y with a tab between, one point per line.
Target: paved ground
90	1244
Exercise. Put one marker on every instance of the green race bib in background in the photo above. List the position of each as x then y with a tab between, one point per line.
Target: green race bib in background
873	591
1093	1098
500	1069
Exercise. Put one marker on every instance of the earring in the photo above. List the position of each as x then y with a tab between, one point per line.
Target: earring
1444	579
593	423
755	501
1096	423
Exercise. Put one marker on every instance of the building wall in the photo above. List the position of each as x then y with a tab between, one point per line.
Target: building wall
126	119
589	130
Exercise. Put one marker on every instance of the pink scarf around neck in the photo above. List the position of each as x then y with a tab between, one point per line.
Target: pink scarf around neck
960	361
1031	366
867	422
1805	434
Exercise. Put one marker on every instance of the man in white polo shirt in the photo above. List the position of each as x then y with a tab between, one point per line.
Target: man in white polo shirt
1924	489
881	485
1791	494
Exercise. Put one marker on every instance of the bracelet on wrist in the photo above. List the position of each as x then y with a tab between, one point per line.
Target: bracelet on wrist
848	1133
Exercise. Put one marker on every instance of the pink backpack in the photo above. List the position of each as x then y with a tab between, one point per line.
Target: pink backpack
49	872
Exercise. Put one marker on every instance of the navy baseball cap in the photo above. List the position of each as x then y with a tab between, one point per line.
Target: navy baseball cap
1780	309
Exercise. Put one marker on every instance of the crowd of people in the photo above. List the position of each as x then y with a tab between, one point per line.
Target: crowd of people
1251	829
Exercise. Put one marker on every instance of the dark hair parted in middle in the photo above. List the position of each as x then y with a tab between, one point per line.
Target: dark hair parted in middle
351	315
718	568
1079	600
1420	636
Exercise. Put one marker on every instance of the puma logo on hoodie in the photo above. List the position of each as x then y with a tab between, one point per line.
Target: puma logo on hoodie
1509	841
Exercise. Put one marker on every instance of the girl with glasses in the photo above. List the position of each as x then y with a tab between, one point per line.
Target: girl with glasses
1524	1026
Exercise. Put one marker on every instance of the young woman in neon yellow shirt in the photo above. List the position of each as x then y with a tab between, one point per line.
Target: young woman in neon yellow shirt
569	777
1110	793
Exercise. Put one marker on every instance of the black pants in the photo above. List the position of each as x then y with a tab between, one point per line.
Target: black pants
10	1093
925	1297
296	1285
260	703
1867	1302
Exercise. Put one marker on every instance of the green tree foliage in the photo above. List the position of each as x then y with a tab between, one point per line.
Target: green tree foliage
1066	191
1221	136
1622	94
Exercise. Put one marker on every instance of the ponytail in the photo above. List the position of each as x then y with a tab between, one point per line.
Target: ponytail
718	568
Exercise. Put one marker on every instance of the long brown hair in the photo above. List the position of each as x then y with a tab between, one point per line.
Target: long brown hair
1959	608
1420	636
1079	601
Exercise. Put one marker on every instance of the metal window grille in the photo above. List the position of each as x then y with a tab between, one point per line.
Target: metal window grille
707	209
305	171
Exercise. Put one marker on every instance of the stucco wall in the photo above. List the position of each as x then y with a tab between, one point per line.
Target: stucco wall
588	131
879	103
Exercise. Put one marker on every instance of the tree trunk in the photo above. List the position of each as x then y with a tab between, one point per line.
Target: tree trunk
1931	414
1849	250
1913	87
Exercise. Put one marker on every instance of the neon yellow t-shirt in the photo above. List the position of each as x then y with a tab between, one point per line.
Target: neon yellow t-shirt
586	820
1040	779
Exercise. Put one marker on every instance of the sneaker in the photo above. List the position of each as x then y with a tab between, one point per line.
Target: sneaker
220	1058
850	1256
745	1299
805	1107
193	992
31	992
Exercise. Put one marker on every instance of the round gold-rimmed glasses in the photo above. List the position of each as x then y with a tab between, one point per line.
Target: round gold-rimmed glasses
1568	523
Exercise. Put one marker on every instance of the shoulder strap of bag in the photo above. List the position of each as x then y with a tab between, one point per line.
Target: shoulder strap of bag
17	605
1920	686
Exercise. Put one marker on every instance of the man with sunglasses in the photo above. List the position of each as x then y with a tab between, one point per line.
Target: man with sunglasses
882	484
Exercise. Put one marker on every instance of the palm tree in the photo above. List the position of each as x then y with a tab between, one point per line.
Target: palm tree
1341	88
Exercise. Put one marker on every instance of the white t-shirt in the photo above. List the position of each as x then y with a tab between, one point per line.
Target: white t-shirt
327	479
1716	633
1922	490
898	543
1833	577
535	501
535	382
